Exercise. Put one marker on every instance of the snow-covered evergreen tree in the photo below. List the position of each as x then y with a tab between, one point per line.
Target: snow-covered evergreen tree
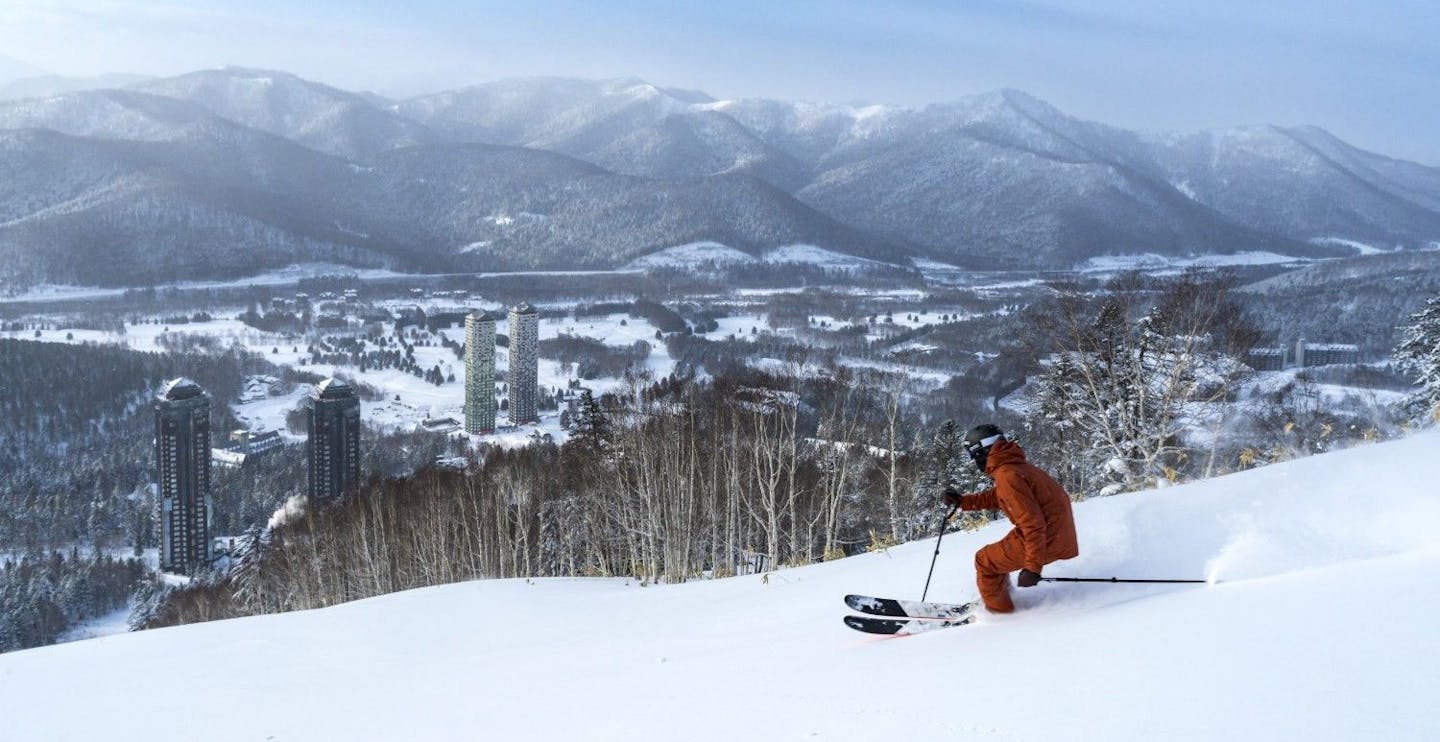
947	466
145	603
590	426
245	572
1419	355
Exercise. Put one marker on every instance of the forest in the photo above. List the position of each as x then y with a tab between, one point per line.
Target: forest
43	596
76	447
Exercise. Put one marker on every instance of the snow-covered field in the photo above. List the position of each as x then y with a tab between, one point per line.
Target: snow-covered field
1319	625
1361	248
692	254
696	253
419	399
1151	262
1269	382
280	277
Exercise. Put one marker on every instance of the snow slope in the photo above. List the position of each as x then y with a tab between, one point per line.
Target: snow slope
1320	627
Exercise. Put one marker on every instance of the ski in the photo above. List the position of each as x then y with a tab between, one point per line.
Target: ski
901	626
908	608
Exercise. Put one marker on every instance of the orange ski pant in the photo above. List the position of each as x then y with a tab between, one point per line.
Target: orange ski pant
993	565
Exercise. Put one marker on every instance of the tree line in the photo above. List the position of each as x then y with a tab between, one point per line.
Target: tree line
44	595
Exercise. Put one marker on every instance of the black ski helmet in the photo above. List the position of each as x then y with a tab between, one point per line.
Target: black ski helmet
979	440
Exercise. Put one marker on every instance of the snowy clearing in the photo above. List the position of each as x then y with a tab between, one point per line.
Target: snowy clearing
697	253
692	254
1151	262
1361	248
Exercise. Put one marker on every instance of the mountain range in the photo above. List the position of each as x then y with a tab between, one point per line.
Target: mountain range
223	173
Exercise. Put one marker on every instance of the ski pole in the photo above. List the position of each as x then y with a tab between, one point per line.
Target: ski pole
948	516
1106	579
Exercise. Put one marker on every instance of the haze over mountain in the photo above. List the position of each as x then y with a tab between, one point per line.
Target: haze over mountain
47	85
222	172
13	69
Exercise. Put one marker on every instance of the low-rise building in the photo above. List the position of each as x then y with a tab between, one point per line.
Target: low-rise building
1266	359
440	425
1325	354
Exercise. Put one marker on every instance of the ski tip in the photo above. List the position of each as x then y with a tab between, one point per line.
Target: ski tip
873	624
864	603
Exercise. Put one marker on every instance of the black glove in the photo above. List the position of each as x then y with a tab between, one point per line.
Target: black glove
1028	578
951	498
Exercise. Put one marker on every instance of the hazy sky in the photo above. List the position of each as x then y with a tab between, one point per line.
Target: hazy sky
1368	71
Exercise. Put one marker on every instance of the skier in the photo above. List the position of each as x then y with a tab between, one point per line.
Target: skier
1038	506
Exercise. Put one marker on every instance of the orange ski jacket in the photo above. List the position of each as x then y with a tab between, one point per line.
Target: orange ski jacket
1034	502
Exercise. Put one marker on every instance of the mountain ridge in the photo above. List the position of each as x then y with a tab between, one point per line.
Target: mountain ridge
1000	177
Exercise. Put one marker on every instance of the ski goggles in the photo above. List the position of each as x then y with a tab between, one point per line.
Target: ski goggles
979	448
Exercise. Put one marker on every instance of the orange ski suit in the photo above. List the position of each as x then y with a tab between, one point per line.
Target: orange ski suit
1044	525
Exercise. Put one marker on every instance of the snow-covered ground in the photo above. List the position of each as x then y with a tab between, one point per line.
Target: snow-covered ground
697	253
1361	248
114	622
1318	625
419	399
1270	382
1152	262
691	254
814	255
281	277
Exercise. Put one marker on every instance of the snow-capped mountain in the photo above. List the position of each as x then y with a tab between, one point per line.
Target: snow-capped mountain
1317	624
124	115
1305	183
940	176
561	114
318	116
994	179
997	173
217	199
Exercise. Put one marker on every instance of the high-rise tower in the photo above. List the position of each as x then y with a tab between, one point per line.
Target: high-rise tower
524	364
480	373
333	448
182	468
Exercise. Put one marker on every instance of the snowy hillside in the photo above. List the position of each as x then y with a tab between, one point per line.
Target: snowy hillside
316	115
1320	627
296	171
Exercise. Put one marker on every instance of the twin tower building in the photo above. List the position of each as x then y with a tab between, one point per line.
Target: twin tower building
523	377
182	463
182	434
